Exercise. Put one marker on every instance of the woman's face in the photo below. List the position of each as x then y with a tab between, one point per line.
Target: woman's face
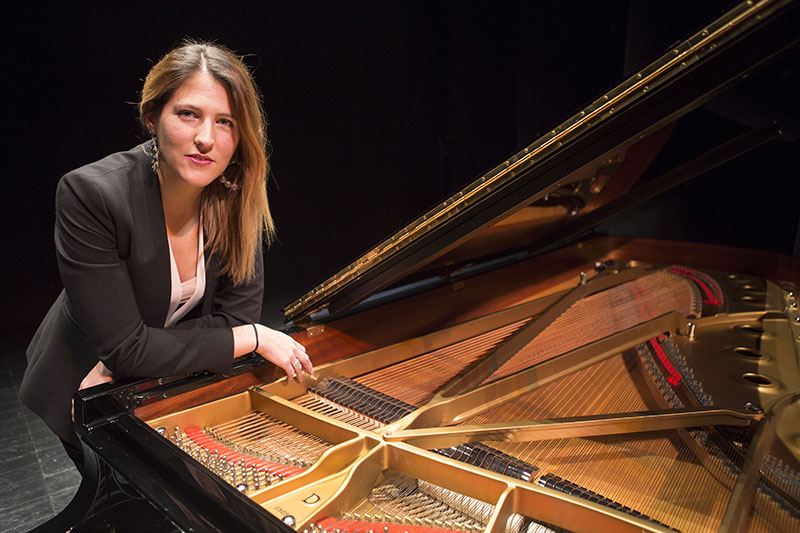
197	133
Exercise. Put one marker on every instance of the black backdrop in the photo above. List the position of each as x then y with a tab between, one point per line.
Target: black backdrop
376	109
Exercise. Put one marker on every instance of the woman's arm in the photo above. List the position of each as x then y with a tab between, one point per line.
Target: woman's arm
232	305
92	213
274	346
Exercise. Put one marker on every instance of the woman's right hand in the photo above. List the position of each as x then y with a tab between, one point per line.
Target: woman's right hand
283	351
274	346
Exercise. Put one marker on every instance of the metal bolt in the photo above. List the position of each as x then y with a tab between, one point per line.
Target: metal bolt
691	326
750	406
583	278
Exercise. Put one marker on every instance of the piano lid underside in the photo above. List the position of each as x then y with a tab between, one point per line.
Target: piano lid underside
586	171
452	432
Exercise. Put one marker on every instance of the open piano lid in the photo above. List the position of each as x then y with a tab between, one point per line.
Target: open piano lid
580	173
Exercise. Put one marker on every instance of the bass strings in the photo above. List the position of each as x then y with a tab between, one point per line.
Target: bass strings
603	314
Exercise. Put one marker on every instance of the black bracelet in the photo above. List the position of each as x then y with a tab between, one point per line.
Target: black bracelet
256	330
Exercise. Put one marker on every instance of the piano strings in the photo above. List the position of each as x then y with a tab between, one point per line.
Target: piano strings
680	479
263	436
414	381
402	504
253	451
604	313
417	380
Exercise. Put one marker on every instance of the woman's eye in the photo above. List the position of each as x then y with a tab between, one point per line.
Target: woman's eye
226	122
186	113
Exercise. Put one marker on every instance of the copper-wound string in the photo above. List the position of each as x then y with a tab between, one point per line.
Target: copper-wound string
602	314
416	381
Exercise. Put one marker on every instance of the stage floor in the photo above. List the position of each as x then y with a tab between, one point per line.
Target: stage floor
37	479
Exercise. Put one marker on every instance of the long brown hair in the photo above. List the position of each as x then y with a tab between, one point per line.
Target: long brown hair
236	222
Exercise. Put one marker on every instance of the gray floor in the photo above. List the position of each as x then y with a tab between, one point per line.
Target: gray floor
37	479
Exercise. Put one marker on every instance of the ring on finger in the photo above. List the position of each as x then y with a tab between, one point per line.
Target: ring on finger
296	363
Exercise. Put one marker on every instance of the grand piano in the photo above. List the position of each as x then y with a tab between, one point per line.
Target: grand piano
495	365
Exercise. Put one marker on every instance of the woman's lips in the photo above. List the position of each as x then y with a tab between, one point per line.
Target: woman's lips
198	159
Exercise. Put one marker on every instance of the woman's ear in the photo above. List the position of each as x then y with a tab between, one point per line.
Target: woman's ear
149	118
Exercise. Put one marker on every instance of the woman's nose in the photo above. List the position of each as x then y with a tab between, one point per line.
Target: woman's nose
204	137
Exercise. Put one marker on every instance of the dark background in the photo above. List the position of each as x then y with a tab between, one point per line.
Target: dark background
376	111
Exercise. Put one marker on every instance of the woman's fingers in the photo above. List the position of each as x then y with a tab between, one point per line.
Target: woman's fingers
291	373
298	361
303	361
286	353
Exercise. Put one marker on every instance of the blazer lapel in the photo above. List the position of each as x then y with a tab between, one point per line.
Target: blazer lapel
162	276
212	269
149	265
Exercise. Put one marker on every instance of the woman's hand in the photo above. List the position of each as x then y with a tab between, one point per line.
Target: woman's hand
274	346
283	351
96	376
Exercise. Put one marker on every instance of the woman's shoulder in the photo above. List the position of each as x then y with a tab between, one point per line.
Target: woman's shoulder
119	169
116	164
112	178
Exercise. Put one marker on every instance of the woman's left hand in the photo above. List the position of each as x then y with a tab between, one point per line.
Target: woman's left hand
96	376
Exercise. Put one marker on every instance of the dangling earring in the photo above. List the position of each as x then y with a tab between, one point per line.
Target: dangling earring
154	153
228	185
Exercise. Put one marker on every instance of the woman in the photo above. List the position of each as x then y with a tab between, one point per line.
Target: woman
159	247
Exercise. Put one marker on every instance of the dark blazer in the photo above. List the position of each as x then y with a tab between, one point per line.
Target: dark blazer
113	257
